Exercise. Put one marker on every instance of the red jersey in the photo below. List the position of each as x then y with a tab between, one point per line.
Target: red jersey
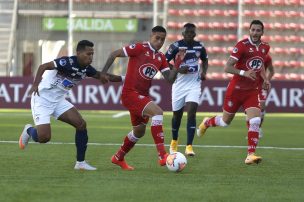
249	56
144	63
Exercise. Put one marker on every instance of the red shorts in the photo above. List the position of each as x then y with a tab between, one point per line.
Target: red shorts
136	104
234	99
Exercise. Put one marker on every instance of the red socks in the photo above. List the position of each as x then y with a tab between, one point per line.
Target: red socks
157	134
129	142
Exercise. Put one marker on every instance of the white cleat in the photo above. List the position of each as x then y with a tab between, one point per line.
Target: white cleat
24	137
83	165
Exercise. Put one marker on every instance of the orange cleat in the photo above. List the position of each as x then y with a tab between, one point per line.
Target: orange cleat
123	164
162	162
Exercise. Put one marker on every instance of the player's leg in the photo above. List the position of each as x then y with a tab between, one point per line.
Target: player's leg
230	107
253	135
251	106
67	113
156	113
41	111
175	124
191	126
263	112
129	142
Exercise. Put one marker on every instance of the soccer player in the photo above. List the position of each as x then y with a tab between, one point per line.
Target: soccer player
186	90
52	82
263	93
145	61
246	63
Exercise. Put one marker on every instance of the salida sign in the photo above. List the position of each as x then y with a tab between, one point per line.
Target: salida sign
285	96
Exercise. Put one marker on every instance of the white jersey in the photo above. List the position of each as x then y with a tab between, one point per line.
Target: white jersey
56	83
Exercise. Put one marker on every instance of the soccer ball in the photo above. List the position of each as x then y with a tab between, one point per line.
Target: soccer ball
176	162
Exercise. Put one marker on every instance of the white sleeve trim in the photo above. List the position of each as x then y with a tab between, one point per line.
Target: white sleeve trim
125	51
165	69
55	64
234	57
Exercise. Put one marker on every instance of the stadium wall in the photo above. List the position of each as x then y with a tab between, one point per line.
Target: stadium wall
285	96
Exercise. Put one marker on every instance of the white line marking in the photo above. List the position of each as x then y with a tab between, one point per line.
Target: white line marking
120	114
152	145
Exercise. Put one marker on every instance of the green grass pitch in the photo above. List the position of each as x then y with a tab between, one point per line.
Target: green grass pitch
216	173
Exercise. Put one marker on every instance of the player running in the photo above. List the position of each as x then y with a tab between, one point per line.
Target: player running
52	82
246	62
145	61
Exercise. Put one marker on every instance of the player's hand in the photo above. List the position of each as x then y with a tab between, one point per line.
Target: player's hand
104	78
266	85
34	90
250	74
183	69
179	58
203	76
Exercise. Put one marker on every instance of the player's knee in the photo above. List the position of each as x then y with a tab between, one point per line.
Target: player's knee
44	138
82	125
254	124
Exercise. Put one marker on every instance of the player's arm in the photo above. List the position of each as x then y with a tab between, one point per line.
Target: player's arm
204	67
230	68
104	78
270	72
204	64
38	77
170	75
110	77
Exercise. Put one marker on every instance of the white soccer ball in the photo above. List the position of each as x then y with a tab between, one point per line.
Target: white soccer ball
176	162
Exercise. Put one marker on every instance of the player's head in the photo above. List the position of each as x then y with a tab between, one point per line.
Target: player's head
256	31
189	32
85	52
157	37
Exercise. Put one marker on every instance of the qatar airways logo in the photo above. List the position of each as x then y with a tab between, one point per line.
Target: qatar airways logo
147	71
255	63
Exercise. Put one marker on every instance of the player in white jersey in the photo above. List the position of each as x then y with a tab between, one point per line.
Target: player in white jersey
186	90
52	82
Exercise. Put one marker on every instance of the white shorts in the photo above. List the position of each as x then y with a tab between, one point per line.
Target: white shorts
42	109
179	99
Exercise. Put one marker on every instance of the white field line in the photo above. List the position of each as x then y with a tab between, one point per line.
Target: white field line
152	145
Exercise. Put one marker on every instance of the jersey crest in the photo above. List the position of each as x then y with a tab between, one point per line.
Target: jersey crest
255	63
147	71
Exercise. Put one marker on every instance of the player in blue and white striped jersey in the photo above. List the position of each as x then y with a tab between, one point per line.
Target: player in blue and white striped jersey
52	82
186	90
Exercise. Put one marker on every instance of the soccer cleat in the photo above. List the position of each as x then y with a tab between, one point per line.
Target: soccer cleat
173	146
24	137
261	133
189	151
252	158
123	164
83	165
162	162
202	128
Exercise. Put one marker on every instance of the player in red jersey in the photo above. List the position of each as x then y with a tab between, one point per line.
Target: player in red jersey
246	63
144	62
263	93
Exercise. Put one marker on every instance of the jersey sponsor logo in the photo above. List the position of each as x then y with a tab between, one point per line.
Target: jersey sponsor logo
132	46
147	71
62	62
255	63
235	50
